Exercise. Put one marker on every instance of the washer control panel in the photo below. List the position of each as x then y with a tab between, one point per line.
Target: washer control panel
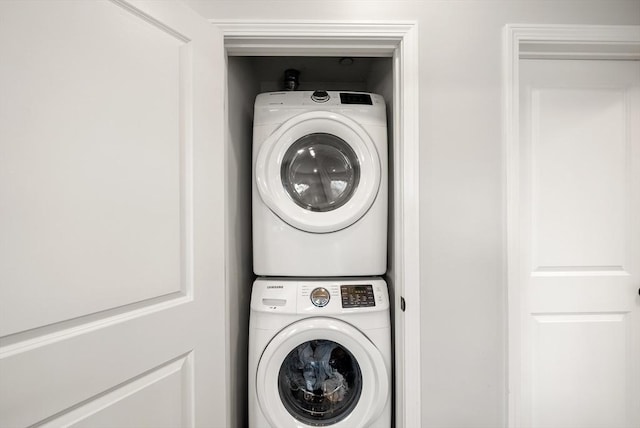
319	296
357	296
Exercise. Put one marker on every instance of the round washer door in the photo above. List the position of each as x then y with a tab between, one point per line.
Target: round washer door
318	172
321	372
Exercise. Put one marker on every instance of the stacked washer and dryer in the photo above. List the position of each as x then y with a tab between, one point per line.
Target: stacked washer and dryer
319	329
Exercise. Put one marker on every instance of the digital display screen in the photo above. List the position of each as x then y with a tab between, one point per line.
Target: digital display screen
346	98
357	296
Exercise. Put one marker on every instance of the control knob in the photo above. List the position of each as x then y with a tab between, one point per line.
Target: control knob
320	297
320	96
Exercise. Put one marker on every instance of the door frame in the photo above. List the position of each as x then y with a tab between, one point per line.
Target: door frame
398	40
538	42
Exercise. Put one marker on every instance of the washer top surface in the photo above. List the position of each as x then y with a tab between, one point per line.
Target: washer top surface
321	297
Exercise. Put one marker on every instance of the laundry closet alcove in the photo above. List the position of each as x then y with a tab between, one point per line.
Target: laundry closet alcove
385	61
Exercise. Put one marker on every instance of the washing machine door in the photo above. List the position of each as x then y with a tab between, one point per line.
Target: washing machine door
319	172
321	372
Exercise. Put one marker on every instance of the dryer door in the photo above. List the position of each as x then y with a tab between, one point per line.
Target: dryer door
319	172
321	372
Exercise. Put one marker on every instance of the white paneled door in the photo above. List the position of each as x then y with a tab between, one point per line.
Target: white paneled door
111	237
579	247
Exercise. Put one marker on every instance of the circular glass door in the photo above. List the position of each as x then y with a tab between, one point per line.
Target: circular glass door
321	372
320	382
320	172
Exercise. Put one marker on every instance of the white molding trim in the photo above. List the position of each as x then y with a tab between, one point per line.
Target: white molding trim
398	40
523	41
306	38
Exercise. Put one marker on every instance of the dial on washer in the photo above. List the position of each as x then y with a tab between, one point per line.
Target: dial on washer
320	297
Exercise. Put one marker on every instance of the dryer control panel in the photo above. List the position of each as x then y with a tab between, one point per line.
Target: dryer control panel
355	98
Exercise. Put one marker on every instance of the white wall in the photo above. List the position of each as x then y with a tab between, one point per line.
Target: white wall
461	194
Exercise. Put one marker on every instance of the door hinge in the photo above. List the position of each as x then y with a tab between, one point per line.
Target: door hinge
403	305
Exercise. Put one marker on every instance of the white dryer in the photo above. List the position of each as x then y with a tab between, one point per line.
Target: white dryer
319	354
319	184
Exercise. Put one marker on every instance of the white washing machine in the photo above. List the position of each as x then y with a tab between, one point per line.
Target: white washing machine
319	184
319	354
